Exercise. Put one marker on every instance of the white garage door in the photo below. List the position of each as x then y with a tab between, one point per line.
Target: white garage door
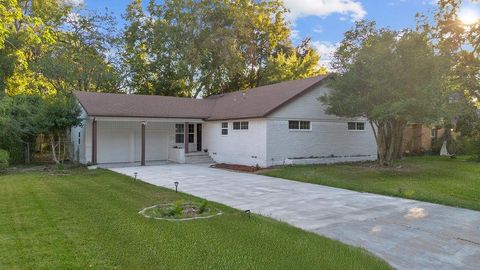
121	142
115	145
156	145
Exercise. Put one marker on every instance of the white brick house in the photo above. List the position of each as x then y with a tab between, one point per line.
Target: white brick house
271	125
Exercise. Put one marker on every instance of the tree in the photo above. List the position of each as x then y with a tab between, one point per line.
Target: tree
56	116
28	30
83	58
24	117
298	64
135	48
188	48
49	45
391	78
17	123
461	42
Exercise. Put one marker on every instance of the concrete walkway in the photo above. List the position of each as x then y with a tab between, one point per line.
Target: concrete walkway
407	234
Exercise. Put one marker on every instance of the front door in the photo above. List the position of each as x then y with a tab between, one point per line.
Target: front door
199	137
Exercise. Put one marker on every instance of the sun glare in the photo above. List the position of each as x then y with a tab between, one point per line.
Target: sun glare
469	16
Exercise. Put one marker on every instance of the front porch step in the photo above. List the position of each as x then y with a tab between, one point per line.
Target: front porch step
191	154
198	158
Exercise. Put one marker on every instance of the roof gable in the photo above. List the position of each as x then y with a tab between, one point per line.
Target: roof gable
260	101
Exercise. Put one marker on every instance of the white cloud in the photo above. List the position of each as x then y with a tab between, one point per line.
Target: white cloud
396	3
323	8
295	35
326	50
430	2
75	3
73	17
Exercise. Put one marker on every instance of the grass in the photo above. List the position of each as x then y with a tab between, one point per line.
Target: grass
89	219
454	182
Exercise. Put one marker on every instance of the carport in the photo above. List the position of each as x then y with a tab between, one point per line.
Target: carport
130	140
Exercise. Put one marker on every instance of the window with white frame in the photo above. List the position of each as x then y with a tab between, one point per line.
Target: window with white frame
225	128
240	125
298	125
179	133
191	133
356	125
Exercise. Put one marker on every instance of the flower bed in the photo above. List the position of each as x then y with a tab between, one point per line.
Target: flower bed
180	211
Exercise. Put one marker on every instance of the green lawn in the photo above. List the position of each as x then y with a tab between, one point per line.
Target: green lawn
89	219
442	180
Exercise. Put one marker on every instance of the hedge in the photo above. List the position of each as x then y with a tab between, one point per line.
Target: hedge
4	157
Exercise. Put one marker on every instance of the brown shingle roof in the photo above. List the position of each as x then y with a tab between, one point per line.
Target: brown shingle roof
260	101
121	105
252	103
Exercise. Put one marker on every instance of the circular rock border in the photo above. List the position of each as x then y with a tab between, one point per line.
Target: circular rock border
142	212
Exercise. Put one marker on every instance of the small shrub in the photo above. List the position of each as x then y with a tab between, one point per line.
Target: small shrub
470	146
4	160
202	207
177	208
476	149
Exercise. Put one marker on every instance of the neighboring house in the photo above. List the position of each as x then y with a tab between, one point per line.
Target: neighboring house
419	138
277	124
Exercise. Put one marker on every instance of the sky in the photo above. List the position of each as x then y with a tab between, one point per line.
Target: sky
325	21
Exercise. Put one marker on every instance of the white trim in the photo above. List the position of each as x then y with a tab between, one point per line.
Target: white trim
139	119
240	123
299	129
222	128
357	130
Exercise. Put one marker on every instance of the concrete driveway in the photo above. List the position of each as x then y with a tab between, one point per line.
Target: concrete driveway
407	234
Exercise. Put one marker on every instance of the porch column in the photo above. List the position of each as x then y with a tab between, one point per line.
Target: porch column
185	137
94	141
142	163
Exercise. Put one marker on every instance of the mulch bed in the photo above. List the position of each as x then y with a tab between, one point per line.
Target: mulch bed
235	167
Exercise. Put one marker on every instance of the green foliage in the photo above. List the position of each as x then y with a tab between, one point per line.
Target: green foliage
28	29
391	78
4	160
459	41
17	124
299	64
468	125
203	207
476	148
188	48
469	146
48	46
176	208
80	60
58	114
180	209
24	117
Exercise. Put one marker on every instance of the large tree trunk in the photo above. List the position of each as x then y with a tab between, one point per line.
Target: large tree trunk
389	136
